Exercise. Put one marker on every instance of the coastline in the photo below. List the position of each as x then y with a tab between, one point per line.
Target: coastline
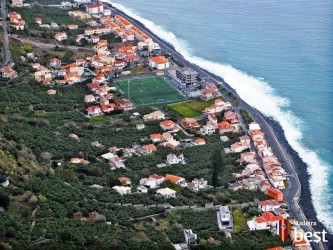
299	166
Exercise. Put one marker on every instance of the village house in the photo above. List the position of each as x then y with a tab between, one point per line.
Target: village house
122	190
173	159
168	125
207	129
156	138
166	193
108	155
248	157
153	181
95	38
95	8
8	72
275	193
55	63
117	164
140	126
154	116
72	78
190	237
224	218
99	31
265	222
142	189
93	111
158	62
89	98
72	26
268	205
124	104
51	92
250	183
197	184
60	36
176	180
79	161
235	186
199	141
250	169
107	108
208	94
238	147
190	123
19	25
79	14
225	127
38	20
230	117
149	149
212	119
17	3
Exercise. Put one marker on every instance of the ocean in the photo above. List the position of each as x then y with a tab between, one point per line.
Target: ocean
278	55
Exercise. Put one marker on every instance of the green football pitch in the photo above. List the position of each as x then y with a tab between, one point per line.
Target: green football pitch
149	91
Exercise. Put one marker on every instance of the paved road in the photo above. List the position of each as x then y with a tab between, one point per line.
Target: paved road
5	49
292	194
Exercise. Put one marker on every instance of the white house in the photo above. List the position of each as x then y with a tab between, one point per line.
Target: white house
173	159
55	63
153	181
156	115
197	184
268	205
94	111
159	62
166	193
89	98
142	189
60	36
122	190
95	8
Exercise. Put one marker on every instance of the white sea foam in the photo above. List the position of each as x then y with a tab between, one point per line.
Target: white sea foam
256	92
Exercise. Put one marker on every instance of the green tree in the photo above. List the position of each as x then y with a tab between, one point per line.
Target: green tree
218	167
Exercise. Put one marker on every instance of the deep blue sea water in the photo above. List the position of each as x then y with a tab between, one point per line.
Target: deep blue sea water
277	54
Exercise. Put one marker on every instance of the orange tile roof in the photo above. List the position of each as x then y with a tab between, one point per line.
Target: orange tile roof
260	220
173	178
200	140
167	123
126	48
123	179
149	147
224	125
155	176
159	59
156	136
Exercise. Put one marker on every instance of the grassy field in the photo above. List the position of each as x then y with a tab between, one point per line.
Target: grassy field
190	108
239	220
99	119
149	91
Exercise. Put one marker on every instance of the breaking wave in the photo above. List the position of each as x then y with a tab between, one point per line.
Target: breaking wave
259	94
